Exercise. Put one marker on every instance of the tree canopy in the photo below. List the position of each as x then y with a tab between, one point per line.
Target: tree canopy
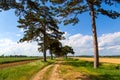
9	4
39	24
70	10
67	50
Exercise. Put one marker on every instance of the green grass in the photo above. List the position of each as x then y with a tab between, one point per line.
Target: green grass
14	59
48	72
23	72
104	72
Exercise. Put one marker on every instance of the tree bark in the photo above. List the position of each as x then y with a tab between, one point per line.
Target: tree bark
95	42
51	55
44	43
66	56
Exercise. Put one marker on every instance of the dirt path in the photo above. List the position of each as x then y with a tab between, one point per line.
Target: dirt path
40	74
53	74
14	64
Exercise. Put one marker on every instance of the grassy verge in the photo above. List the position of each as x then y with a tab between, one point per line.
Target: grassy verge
23	72
80	69
15	59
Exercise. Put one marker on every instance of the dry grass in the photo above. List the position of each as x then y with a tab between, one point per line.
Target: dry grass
107	60
68	72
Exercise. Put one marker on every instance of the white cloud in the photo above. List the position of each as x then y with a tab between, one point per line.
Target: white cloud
18	35
82	44
9	47
109	44
110	39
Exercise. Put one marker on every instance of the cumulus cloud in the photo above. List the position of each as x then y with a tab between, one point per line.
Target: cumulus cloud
110	39
9	47
109	44
82	44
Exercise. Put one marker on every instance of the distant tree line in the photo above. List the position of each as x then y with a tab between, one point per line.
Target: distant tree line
13	56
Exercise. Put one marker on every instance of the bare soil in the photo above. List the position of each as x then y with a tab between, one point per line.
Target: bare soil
55	72
14	63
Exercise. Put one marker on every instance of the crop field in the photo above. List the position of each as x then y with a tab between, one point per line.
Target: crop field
106	60
77	69
15	59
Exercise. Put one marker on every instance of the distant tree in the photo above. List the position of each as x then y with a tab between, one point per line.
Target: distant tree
66	50
38	23
55	47
2	55
70	9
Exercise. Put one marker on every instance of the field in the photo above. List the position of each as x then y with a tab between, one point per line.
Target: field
74	69
23	71
63	69
106	60
15	59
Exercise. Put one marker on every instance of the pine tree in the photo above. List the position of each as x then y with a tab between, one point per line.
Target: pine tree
65	8
9	4
53	44
55	47
38	23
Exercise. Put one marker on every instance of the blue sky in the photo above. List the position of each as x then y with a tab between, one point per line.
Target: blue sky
8	27
78	36
104	25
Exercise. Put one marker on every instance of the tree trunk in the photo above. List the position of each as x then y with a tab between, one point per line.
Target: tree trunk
66	56
51	55
44	44
95	42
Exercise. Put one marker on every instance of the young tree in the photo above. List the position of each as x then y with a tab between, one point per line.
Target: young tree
68	8
38	23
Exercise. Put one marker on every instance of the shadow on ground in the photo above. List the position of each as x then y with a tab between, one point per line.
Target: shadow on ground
104	72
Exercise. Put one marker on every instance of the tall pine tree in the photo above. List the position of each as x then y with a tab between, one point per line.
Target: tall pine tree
68	8
38	23
9	4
